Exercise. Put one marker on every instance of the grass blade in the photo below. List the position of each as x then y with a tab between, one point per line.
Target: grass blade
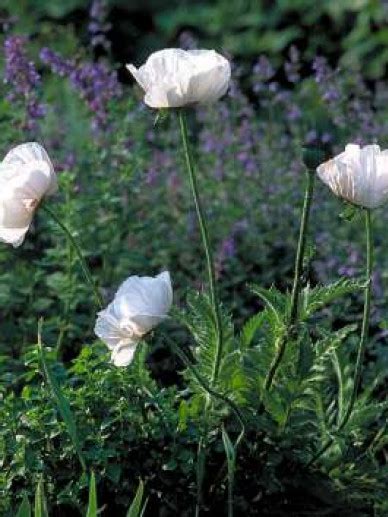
136	509
24	508
92	506
40	501
231	461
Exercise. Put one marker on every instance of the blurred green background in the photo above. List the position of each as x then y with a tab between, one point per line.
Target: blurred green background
353	33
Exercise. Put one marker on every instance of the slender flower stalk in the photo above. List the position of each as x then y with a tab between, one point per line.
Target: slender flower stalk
201	451
364	334
297	283
205	241
73	242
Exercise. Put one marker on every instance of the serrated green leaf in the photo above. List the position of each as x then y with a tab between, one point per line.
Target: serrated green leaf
315	299
273	299
250	328
200	322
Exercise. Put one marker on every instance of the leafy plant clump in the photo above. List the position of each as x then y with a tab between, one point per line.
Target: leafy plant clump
263	390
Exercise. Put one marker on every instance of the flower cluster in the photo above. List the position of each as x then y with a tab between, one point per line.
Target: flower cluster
96	84
21	75
98	26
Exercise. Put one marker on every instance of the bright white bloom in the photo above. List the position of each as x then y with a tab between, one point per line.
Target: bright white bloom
139	305
26	176
173	77
359	175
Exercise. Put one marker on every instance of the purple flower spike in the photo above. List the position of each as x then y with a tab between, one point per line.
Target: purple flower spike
21	75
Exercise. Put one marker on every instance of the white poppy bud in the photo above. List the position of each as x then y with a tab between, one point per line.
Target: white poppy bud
26	176
174	78
359	175
139	305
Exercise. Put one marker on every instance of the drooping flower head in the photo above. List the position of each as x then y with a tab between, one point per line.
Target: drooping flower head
174	78
26	176
140	304
358	175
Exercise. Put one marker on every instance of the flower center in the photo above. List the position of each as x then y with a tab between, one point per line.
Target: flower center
30	204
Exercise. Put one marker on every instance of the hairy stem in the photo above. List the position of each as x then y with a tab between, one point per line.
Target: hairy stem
205	241
212	290
84	266
363	338
297	283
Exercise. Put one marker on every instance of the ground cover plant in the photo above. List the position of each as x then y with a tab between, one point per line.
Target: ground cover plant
193	279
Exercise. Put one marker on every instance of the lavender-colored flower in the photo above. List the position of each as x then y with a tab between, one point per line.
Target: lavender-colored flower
228	246
98	26
350	268
59	65
263	70
21	75
292	66
187	41
313	137
151	176
329	88
96	84
293	113
320	68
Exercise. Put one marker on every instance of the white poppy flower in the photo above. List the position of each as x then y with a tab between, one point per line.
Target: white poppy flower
139	305
26	176
173	78
359	175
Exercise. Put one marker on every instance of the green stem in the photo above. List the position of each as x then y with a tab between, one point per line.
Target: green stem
201	453
210	391
364	334
78	251
205	241
297	283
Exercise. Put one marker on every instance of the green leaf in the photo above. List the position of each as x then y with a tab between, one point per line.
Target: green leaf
350	212
231	463
314	299
250	328
92	506
273	299
24	508
61	401
200	322
40	501
136	509
229	449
